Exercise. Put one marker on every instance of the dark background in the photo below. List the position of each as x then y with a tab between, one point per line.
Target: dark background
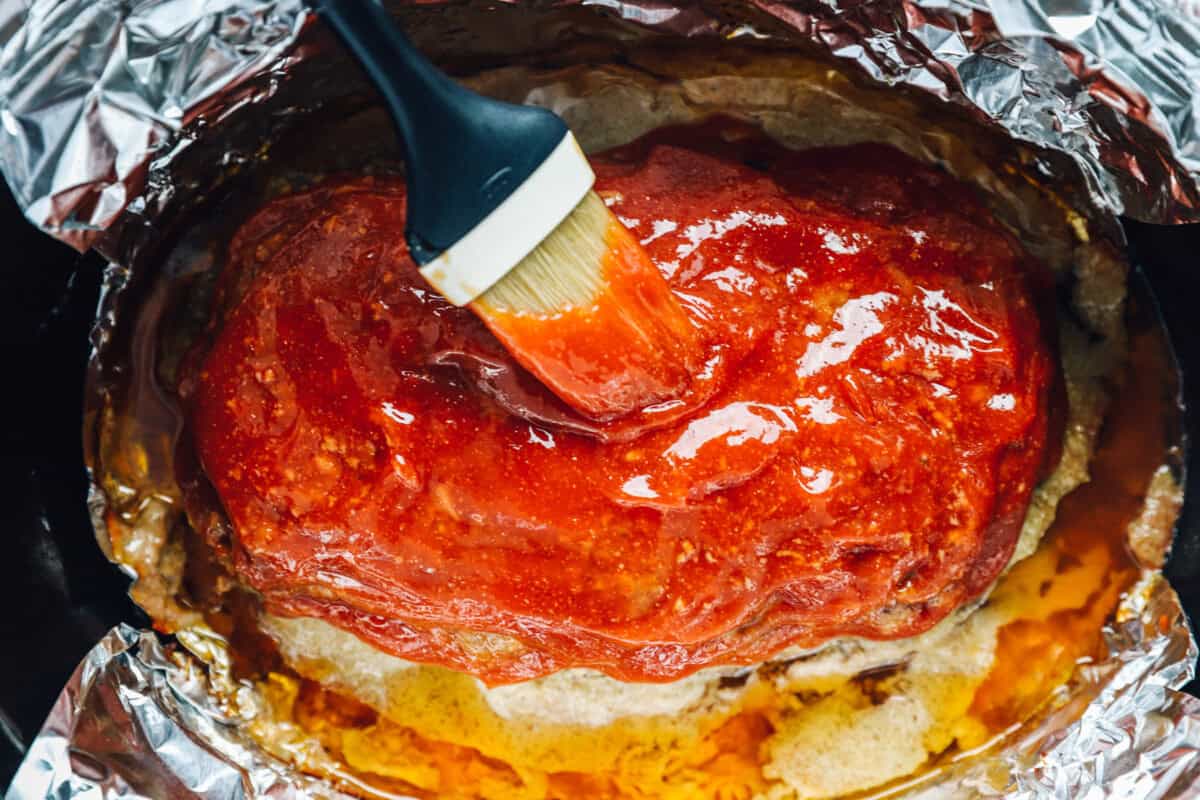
58	595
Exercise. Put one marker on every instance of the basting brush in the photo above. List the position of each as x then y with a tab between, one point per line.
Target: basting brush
501	217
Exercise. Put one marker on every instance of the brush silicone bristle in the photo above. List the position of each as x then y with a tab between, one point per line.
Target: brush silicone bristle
592	317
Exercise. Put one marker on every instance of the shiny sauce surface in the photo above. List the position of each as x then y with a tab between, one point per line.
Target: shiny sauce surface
853	457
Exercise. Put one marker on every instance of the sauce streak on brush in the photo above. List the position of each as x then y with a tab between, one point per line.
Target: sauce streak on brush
572	349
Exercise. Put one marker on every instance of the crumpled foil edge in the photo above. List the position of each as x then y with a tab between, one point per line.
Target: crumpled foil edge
94	97
91	94
136	701
1136	700
1139	737
138	718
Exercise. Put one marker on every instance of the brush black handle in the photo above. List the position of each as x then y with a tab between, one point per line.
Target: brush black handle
464	153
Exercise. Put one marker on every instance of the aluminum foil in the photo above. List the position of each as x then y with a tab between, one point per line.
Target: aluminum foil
138	719
92	93
1138	737
1115	85
101	102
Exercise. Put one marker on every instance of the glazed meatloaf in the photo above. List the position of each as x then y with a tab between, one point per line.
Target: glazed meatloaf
874	530
854	459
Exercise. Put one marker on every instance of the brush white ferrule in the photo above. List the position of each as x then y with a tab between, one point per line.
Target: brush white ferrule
474	263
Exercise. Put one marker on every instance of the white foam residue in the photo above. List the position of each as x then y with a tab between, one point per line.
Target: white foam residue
588	698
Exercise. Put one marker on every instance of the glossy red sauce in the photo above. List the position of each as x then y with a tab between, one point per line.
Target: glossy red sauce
629	346
853	457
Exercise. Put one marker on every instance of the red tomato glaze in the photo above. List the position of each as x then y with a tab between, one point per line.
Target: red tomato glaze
855	456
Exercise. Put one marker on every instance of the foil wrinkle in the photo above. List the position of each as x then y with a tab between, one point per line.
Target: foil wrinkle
91	93
138	719
96	98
